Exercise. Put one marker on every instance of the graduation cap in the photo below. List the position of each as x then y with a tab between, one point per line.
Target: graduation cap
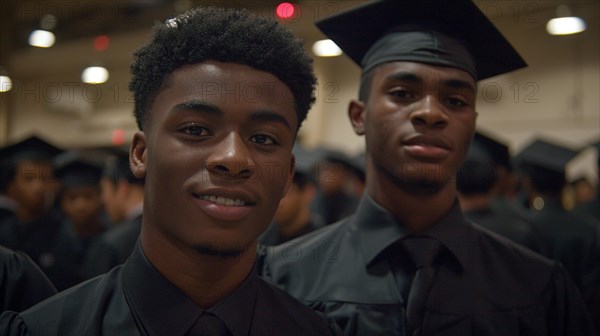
445	33
75	169
495	150
545	163
33	148
545	154
479	172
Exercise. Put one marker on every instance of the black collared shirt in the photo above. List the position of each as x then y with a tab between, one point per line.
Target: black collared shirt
486	284
135	299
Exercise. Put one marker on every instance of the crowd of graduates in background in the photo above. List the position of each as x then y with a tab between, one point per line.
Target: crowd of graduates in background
75	214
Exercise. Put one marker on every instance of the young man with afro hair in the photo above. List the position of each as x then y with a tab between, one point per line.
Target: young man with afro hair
219	97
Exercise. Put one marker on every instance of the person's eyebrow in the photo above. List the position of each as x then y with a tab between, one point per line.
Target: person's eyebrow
270	116
402	76
198	106
460	85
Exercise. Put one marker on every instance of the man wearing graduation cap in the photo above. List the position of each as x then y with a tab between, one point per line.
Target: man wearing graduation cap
81	206
31	183
407	262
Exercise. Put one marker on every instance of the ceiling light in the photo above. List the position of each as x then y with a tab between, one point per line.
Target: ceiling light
565	23
326	48
565	26
5	83
41	39
94	75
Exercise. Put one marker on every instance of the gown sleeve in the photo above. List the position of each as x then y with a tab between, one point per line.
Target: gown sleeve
22	283
11	324
568	314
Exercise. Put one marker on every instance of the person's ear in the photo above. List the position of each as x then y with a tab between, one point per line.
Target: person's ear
357	115
138	155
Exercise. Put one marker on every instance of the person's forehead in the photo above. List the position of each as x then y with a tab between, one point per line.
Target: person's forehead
394	71
219	85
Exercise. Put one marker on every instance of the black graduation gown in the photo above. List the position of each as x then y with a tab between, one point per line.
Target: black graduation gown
508	225
112	248
5	214
63	262
37	239
486	284
134	299
22	283
573	239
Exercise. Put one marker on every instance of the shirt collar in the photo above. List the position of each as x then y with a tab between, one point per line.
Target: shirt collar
377	230
160	308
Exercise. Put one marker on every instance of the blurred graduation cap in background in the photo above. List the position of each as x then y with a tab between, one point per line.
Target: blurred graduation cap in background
444	33
77	169
486	146
32	148
545	163
479	172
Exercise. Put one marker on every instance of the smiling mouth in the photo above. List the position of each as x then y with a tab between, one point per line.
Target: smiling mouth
223	200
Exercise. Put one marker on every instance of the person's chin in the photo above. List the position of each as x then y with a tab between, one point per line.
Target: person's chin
224	250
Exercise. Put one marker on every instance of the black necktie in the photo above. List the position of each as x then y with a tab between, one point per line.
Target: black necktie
208	325
422	251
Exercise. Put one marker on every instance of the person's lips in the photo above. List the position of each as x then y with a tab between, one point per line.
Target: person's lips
427	147
225	204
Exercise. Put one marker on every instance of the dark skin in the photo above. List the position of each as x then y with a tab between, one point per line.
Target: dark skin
216	165
418	122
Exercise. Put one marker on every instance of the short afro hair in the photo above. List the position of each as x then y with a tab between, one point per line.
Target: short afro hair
223	35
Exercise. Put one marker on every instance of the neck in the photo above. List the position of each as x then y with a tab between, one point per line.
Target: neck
205	279
418	211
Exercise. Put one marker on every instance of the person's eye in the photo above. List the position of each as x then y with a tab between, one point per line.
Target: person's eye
262	139
194	130
458	102
402	94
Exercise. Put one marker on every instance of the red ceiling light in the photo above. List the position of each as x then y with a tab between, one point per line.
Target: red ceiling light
118	137
101	42
285	10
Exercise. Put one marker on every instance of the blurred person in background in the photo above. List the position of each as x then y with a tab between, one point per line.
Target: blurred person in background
123	197
31	183
294	217
568	237
81	206
479	184
340	182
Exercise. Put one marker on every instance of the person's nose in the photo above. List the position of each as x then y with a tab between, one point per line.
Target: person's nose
429	113
232	158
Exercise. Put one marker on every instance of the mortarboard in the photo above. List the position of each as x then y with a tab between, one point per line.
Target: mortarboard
546	155
445	33
496	151
75	169
33	149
